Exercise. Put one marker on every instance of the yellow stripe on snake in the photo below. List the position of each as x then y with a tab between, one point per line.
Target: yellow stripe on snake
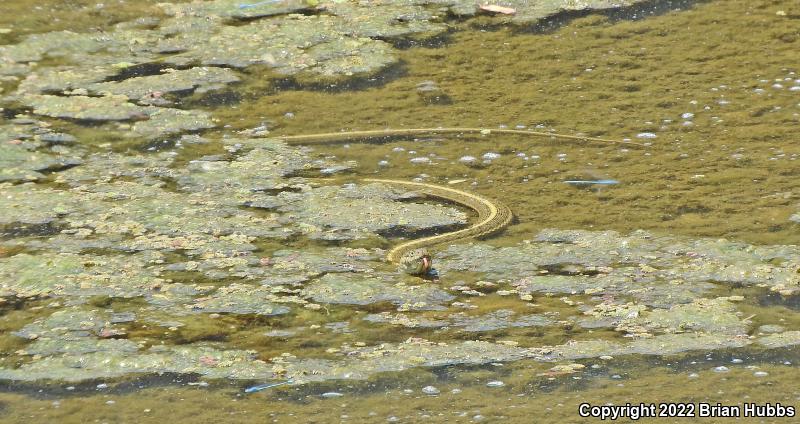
493	216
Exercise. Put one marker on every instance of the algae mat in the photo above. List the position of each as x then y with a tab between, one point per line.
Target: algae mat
164	247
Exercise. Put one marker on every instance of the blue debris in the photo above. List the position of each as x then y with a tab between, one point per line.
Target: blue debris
261	387
590	182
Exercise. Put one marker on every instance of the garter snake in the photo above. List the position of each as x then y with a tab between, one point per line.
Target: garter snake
493	216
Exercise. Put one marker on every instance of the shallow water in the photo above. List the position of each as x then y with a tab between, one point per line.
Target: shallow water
730	172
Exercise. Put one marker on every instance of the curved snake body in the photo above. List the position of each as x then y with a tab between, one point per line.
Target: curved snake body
493	216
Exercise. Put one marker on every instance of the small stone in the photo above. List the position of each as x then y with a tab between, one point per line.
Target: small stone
646	135
495	383
694	375
332	395
491	156
736	361
102	386
467	159
721	368
760	374
430	390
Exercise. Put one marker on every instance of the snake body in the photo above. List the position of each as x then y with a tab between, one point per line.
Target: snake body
493	216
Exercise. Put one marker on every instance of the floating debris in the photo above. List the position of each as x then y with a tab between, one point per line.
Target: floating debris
498	9
260	387
592	182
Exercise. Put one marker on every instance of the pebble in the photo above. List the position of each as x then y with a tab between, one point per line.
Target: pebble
760	373
687	115
398	149
795	88
102	386
383	163
332	394
694	375
455	391
721	368
110	402
777	86
491	156
495	383
736	361
646	135
420	160
430	390
467	159
393	419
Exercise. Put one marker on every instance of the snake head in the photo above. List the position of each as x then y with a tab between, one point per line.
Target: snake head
416	262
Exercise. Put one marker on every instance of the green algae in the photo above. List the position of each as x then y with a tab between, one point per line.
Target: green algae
364	290
107	108
169	81
496	320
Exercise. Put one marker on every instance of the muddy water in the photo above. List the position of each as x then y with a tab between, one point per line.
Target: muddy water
722	164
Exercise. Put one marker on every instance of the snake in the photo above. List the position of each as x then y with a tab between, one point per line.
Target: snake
493	216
